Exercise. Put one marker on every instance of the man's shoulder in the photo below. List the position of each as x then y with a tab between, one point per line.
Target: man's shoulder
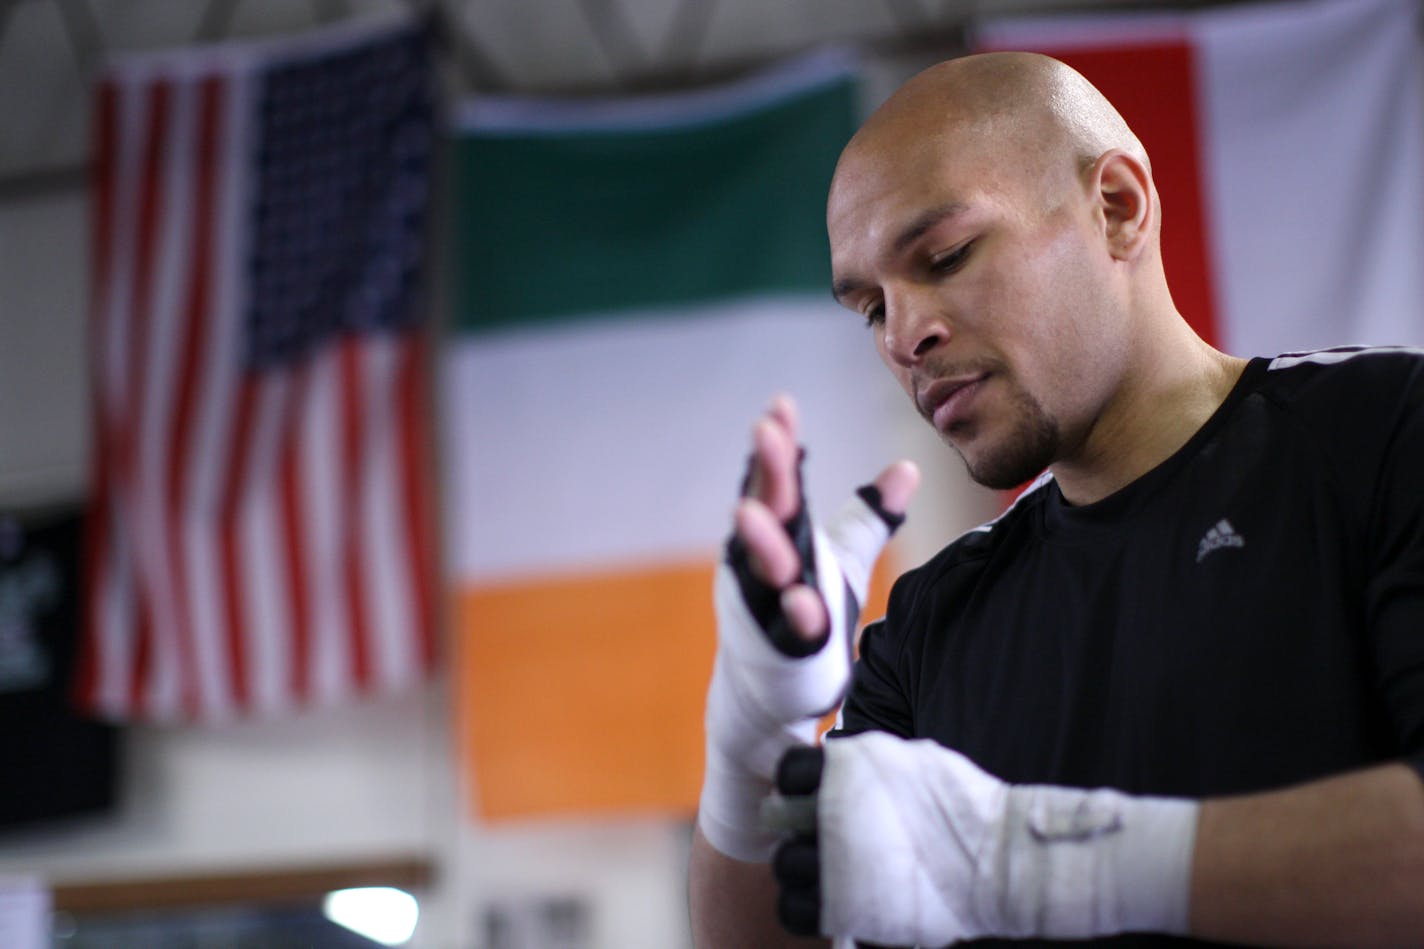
1330	377
978	544
1349	401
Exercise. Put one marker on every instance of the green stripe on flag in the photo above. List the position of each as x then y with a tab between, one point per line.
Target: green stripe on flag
558	225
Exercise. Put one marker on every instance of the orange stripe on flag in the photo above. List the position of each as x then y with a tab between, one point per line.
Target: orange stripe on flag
584	694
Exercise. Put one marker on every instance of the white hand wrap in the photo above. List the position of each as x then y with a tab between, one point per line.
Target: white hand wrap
762	702
919	846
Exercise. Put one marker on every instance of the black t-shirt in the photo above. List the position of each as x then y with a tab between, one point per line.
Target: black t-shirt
1245	616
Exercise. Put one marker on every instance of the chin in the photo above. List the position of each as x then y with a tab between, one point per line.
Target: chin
1001	476
1015	460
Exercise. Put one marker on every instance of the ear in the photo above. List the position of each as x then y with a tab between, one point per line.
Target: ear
1127	202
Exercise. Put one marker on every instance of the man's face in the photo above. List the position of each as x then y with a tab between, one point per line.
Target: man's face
984	280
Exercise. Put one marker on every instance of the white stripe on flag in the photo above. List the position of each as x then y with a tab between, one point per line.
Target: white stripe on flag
1314	154
621	441
321	484
390	602
264	556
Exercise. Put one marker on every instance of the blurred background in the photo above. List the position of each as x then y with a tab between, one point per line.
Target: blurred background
375	379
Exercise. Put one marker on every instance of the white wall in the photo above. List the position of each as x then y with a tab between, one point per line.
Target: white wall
43	389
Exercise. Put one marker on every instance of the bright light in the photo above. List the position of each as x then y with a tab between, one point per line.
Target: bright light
380	913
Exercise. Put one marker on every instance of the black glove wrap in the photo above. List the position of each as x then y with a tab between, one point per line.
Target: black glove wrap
796	864
764	600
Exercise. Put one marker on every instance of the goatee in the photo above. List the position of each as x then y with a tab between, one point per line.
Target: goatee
1021	455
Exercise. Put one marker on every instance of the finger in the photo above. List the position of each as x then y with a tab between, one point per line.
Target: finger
804	611
800	910
781	414
796	864
774	478
783	411
897	485
799	771
774	560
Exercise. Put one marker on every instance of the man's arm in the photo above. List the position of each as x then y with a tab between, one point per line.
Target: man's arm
917	844
1336	862
733	904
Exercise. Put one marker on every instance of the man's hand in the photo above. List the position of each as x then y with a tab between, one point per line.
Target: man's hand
787	601
915	844
772	499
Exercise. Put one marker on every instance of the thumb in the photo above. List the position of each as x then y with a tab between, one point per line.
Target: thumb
897	485
860	529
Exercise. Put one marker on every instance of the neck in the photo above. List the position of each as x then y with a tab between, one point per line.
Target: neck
1158	407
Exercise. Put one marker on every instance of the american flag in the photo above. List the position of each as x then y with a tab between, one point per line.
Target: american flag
260	537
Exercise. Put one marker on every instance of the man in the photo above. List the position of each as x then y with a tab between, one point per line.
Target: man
1209	609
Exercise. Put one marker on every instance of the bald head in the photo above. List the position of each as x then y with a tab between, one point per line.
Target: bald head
1020	104
1005	123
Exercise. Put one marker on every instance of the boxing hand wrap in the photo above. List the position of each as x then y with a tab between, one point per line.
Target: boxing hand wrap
918	845
769	686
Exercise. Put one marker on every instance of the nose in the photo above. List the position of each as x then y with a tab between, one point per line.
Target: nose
914	327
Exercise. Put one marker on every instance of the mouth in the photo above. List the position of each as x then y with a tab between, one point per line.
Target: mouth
947	402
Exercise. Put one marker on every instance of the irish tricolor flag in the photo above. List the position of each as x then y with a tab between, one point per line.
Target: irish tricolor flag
633	281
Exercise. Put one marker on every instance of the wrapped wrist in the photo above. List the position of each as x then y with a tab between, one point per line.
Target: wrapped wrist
729	810
918	845
1076	863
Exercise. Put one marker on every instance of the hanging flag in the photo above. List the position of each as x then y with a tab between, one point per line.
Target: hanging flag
1287	141
259	535
633	281
61	764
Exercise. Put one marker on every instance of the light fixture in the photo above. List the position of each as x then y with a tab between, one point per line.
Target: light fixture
380	913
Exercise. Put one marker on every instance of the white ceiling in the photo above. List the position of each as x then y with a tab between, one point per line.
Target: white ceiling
50	49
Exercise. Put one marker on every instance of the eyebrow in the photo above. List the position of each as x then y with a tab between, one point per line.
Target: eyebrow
912	232
921	225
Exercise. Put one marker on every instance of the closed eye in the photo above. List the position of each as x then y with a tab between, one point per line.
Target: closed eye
941	266
952	261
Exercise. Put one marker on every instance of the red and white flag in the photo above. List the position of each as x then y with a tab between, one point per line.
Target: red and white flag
1287	141
259	536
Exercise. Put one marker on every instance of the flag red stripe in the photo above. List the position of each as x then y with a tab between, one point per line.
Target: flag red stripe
97	528
150	212
192	345
294	529
139	698
353	464
417	485
1138	80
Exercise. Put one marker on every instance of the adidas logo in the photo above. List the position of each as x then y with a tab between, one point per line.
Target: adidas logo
1221	535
